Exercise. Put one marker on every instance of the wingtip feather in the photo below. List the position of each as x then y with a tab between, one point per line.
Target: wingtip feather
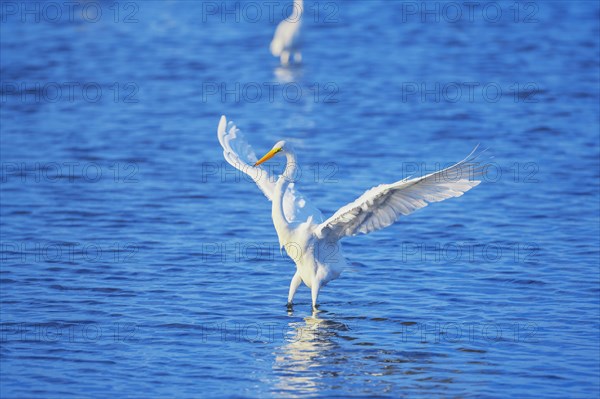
222	124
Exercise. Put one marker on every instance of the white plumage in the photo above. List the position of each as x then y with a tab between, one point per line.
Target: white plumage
286	40
239	154
314	243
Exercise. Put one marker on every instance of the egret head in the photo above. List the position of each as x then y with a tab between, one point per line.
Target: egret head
280	146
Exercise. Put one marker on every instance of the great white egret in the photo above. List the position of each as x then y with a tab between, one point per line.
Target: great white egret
286	40
313	242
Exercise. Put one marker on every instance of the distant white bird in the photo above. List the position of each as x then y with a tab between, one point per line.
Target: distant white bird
313	243
286	40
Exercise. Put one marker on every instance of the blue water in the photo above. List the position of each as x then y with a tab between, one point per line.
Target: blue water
136	263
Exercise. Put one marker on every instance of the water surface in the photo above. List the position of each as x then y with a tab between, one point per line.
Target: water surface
136	263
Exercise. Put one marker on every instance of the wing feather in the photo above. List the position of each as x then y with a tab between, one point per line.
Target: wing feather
239	154
382	205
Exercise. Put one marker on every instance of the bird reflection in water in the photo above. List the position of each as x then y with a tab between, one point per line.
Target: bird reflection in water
310	347
288	74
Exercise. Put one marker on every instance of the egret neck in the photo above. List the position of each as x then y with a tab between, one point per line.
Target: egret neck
282	225
291	165
298	10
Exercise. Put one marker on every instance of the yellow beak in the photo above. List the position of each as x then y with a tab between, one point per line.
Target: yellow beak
268	156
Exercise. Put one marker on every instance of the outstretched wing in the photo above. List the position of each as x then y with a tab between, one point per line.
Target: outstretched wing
239	154
381	206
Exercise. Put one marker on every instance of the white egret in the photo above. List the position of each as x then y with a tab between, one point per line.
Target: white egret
286	40
314	243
